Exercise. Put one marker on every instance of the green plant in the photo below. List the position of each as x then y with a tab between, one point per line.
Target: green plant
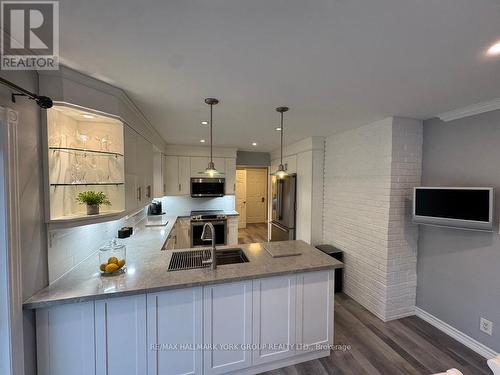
92	198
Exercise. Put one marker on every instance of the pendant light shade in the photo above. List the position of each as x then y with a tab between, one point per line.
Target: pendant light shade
281	172
210	170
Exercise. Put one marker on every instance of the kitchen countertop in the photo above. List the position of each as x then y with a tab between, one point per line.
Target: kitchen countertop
147	270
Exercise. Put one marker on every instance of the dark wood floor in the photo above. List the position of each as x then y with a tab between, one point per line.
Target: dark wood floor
405	346
253	233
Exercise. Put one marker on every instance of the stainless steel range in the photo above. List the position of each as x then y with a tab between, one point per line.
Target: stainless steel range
198	220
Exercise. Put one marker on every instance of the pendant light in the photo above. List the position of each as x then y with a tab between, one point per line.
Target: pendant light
210	170
281	173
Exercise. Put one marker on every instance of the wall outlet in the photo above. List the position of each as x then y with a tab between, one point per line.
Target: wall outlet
486	326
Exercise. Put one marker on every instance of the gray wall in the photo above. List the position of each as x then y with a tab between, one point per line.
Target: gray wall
33	240
459	271
253	159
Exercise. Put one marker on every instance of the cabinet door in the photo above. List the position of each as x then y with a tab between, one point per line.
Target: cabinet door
175	332
185	175
220	165
130	152
274	308
315	310
230	175
227	320
120	326
183	240
198	165
172	174
65	339
232	230
157	174
164	173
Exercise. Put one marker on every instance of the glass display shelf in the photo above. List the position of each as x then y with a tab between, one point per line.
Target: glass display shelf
86	151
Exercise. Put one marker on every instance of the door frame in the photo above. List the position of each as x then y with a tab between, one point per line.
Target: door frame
267	168
10	245
266	194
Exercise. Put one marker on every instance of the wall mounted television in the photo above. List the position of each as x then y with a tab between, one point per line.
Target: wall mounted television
455	207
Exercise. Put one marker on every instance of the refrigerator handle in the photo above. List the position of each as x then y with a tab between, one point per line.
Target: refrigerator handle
280	200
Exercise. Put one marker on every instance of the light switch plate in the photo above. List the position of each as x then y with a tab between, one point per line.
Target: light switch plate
486	326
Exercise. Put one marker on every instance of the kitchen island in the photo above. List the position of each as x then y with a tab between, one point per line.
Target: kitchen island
240	318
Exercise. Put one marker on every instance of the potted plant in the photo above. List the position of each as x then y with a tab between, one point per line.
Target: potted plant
93	200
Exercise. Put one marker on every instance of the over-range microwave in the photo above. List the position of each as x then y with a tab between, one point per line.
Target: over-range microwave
207	187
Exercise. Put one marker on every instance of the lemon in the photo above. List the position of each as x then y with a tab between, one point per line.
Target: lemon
113	260
102	267
121	263
112	267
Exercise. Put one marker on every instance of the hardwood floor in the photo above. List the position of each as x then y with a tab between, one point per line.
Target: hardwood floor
404	346
253	233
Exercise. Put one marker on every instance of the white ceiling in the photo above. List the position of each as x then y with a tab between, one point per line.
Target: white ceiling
336	63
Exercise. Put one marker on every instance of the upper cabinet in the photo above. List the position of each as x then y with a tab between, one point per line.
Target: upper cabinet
177	175
198	165
84	153
230	175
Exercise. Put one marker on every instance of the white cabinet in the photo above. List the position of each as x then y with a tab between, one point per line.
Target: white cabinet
290	163
178	173
175	332
65	339
164	173
158	180
315	309
120	336
220	165
274	310
230	175
227	320
198	165
232	230
145	170
131	184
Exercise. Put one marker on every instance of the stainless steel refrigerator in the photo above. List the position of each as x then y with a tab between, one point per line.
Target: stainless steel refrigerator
284	206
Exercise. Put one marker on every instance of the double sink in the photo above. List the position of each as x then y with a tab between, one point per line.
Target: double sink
192	259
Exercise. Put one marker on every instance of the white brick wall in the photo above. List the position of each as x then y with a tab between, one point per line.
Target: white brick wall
369	173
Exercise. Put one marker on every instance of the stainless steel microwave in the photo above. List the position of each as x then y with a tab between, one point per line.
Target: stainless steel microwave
208	187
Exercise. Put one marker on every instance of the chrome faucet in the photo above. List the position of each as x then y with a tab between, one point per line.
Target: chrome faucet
211	237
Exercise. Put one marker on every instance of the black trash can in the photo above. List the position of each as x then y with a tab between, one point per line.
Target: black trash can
339	255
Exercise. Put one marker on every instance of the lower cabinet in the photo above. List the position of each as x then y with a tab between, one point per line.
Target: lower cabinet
214	329
227	320
175	332
120	336
274	312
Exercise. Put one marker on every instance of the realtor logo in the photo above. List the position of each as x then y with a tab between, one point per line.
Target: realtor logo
30	35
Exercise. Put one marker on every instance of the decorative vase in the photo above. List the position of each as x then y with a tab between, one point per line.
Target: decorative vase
92	209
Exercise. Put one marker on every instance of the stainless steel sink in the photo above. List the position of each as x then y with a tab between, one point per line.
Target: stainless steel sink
192	259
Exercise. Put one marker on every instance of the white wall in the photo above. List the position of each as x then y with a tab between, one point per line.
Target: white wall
369	172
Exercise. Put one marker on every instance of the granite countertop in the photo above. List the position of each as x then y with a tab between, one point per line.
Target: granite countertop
147	270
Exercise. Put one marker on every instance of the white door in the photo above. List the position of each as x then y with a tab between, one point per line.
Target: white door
120	326
230	175
184	175
274	309
315	309
256	195
175	332
241	197
227	319
198	165
67	329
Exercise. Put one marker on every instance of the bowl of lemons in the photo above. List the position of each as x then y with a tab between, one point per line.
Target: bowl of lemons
112	258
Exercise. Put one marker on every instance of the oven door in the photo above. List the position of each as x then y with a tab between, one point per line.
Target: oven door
220	227
207	187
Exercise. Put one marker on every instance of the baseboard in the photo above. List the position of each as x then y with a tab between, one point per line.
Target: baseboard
461	337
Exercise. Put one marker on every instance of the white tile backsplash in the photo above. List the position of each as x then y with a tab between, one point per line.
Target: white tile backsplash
185	204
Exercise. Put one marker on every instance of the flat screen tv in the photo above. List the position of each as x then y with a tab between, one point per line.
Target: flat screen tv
456	207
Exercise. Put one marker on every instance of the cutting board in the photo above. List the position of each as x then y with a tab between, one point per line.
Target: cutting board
156	221
284	248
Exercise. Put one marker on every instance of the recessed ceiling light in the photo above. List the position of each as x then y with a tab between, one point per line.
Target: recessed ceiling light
204	122
202	140
88	116
254	143
494	50
278	129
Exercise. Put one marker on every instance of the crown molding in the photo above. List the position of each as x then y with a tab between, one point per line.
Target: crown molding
471	110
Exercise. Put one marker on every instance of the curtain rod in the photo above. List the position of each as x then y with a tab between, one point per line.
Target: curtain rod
43	101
